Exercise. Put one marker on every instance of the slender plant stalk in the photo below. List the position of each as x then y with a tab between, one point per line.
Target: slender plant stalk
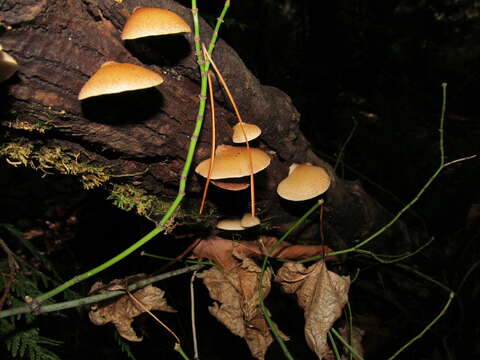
144	308
334	346
192	315
237	113
183	177
99	297
414	200
213	145
346	344
266	315
426	328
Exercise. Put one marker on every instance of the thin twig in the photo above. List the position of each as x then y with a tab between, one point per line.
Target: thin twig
96	298
237	113
144	308
213	145
413	201
192	311
459	160
345	143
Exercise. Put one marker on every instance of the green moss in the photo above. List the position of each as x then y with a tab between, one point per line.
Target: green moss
41	126
51	160
128	197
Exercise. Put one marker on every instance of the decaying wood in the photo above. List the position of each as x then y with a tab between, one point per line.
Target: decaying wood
59	44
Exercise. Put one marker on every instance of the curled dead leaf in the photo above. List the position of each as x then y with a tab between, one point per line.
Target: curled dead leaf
236	293
222	251
122	310
321	293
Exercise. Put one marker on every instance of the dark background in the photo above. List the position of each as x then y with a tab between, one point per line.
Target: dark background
375	67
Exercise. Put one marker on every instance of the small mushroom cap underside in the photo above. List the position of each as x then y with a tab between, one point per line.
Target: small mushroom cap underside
233	162
114	77
8	65
230	224
230	185
249	221
152	22
251	130
304	182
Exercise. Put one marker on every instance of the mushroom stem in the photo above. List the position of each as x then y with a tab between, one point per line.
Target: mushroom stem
212	158
237	113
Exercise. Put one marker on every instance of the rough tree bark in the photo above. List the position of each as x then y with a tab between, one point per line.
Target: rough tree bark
140	138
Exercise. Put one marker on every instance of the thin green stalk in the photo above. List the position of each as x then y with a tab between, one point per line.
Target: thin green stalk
178	348
96	298
265	313
413	201
342	149
346	344
394	258
411	341
334	346
183	177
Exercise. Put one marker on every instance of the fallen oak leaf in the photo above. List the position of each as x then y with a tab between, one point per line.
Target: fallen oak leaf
121	311
321	293
235	291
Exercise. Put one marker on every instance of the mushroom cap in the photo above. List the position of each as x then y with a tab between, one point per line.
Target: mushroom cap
233	162
230	185
8	65
249	221
251	130
153	21
305	181
114	77
230	224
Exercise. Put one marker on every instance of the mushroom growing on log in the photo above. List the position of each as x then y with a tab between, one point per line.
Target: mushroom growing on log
145	135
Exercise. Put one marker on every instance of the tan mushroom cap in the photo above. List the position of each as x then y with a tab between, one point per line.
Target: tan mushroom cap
230	224
8	65
232	186
153	21
233	162
114	77
304	182
249	221
251	130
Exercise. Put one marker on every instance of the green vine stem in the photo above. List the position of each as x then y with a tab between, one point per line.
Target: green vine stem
441	166
264	309
183	177
100	297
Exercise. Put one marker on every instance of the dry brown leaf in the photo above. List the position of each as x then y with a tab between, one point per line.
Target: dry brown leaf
356	339
221	251
122	310
235	291
321	293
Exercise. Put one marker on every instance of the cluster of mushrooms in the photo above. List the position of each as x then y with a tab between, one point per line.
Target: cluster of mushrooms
231	163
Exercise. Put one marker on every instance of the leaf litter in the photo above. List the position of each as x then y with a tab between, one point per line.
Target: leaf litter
122	310
321	293
236	294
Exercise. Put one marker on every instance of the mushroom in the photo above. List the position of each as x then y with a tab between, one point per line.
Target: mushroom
114	77
153	21
252	131
305	181
8	65
230	224
230	185
233	162
249	221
